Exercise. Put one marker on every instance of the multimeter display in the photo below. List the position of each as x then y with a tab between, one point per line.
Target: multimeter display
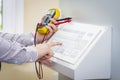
47	18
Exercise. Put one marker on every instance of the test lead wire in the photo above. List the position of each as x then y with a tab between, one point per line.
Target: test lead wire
39	69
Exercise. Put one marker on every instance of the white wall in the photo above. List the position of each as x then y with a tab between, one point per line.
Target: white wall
100	12
13	16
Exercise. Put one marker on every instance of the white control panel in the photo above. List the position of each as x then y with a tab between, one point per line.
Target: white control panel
85	49
75	38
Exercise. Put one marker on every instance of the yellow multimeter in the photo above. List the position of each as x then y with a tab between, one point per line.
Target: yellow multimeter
52	13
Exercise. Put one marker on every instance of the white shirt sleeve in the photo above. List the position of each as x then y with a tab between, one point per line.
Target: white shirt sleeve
15	51
25	39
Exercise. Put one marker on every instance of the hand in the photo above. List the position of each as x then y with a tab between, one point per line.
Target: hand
51	27
47	62
45	52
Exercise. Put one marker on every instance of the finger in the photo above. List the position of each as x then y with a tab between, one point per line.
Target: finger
50	54
43	17
47	62
53	27
47	56
44	58
54	20
51	44
50	29
50	32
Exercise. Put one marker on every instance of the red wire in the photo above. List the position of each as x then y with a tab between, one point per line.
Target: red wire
40	73
61	22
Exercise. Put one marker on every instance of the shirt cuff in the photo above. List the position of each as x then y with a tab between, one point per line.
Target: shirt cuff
32	54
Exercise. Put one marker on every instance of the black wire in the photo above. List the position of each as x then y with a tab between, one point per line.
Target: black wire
64	19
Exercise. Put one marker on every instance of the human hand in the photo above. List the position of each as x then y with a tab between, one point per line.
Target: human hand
47	62
51	28
45	52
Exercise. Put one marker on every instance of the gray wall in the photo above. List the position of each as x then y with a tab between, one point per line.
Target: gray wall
100	12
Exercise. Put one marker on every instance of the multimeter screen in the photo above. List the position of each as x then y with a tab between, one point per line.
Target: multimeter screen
52	13
47	18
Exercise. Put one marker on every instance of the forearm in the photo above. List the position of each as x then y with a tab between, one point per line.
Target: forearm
25	39
13	52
